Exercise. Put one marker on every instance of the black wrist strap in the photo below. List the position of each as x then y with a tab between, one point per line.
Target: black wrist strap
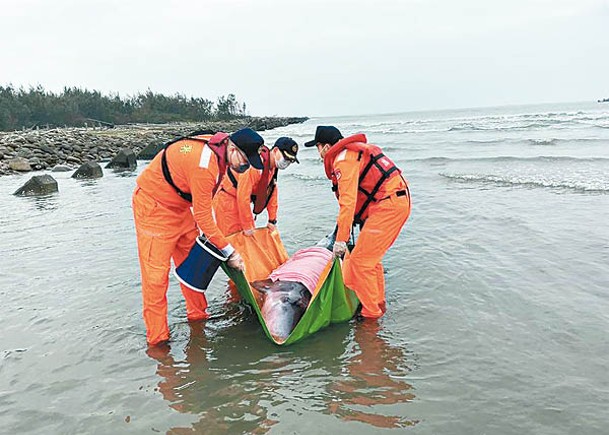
273	221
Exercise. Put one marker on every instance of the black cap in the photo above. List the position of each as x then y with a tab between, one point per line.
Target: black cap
325	134
288	147
248	141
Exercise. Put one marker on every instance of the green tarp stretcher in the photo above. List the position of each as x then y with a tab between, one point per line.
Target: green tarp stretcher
331	302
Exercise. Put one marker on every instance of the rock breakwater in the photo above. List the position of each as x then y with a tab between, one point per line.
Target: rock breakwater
21	151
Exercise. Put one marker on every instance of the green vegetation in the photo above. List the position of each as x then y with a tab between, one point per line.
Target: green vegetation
75	107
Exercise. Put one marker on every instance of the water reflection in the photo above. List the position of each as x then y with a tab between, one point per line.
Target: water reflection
217	380
89	182
235	380
124	172
48	202
373	375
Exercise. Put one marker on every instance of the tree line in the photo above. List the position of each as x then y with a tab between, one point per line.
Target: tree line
27	108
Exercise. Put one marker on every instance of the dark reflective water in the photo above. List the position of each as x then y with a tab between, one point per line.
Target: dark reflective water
497	293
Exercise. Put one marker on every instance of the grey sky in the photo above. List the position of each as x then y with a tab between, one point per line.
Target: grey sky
315	57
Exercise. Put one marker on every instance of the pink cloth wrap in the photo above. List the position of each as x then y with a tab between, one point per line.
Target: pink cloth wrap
305	266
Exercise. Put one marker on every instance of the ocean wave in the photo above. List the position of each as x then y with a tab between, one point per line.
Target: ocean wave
510	122
407	131
530	119
549	114
588	186
499	159
462	128
557	140
480	141
552	141
528	126
512	141
532	141
304	177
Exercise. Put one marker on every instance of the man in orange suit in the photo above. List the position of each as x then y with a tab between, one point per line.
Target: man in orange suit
238	191
185	174
371	192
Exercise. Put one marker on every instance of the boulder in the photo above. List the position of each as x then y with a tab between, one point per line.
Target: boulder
36	163
24	152
125	159
150	151
61	168
88	170
38	185
46	149
20	164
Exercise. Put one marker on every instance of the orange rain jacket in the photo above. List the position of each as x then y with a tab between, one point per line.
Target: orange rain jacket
370	190
344	163
234	204
196	169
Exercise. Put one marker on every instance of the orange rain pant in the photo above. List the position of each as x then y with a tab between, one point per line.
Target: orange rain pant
362	269
162	234
227	213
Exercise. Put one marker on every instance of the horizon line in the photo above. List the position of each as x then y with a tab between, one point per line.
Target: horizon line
445	109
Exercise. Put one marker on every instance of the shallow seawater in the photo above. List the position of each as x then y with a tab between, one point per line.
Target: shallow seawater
497	289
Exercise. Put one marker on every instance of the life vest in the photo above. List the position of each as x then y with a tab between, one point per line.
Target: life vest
218	149
378	168
266	186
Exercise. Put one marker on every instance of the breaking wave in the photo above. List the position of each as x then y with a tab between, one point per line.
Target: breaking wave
499	159
588	186
304	177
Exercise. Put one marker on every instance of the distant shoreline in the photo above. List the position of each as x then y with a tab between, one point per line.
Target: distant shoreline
42	149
